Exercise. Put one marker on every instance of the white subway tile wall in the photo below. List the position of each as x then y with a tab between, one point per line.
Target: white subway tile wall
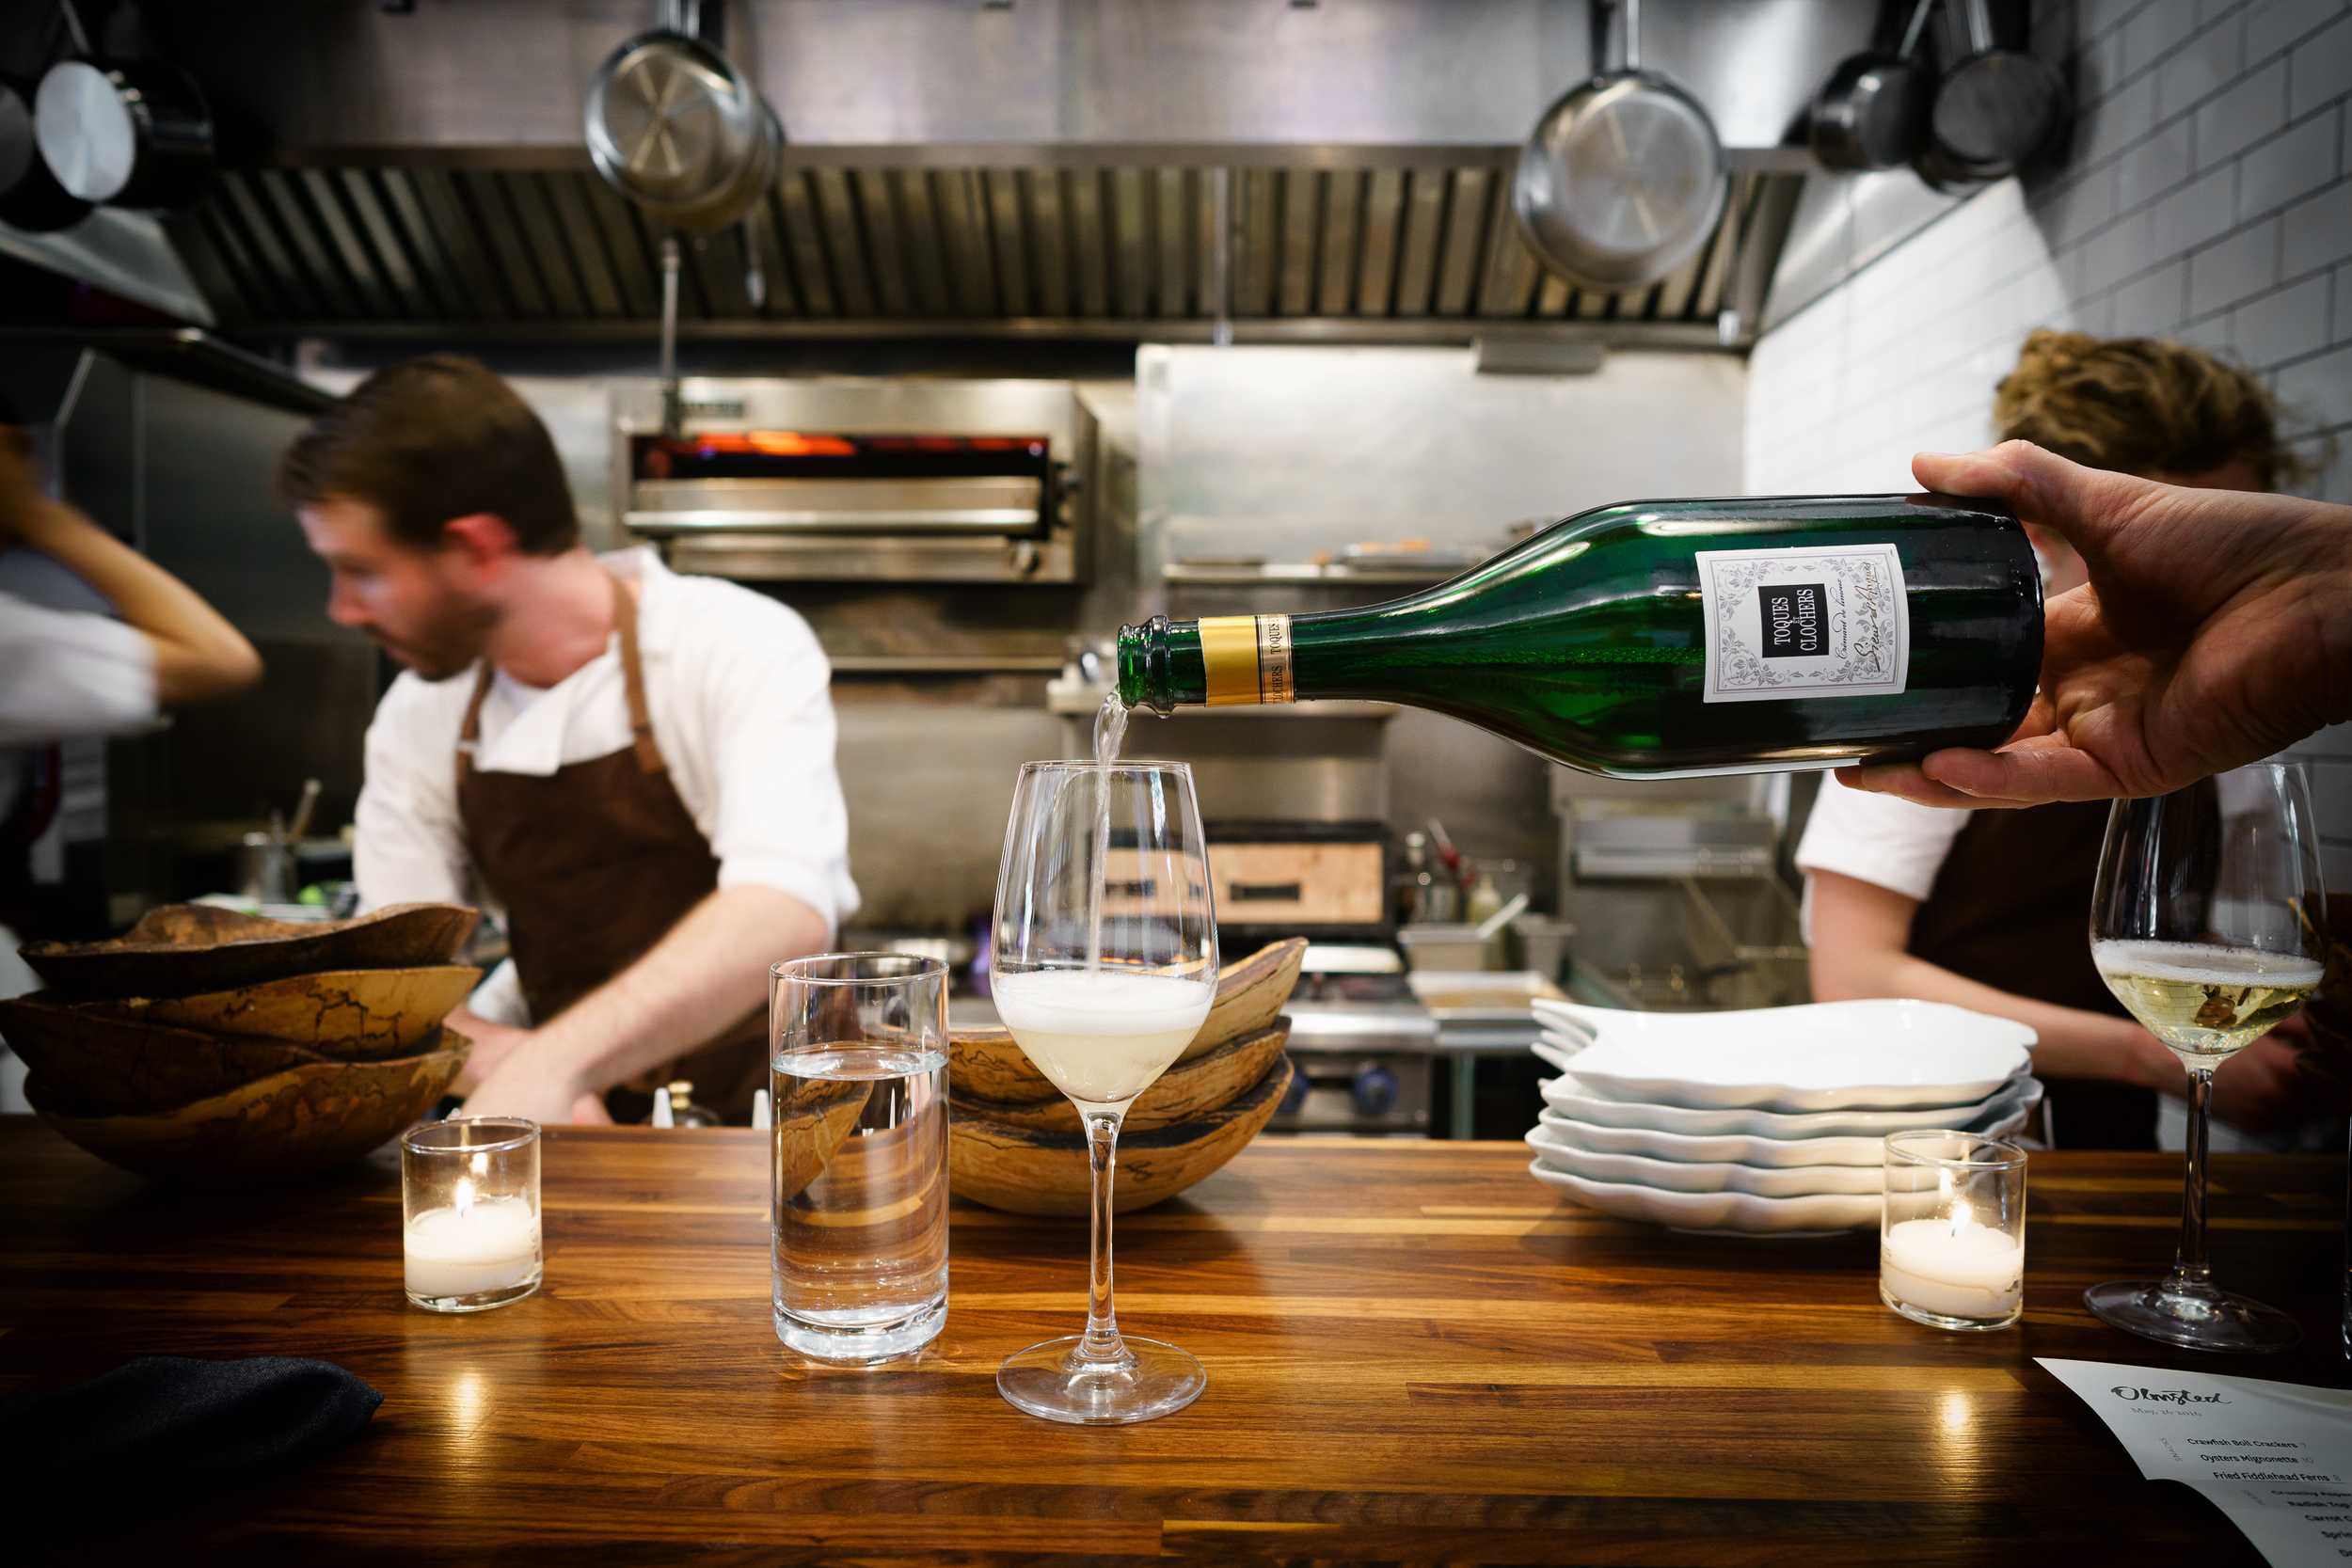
2327	757
2205	194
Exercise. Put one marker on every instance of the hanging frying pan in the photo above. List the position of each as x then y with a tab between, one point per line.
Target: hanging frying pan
133	134
1872	112
30	197
1623	178
1995	111
674	126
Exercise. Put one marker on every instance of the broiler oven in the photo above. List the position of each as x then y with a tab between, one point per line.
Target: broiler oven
861	480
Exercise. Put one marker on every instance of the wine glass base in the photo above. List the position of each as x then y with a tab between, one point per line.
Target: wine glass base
1159	1380
2198	1320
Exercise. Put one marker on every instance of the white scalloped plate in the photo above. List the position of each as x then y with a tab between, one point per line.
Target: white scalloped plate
1885	1053
1568	1095
2005	1113
1729	1149
1673	1176
1726	1213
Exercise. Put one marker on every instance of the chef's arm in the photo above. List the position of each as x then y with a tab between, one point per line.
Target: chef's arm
696	983
197	653
1860	931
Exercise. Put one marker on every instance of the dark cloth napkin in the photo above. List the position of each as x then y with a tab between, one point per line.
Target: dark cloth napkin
164	1428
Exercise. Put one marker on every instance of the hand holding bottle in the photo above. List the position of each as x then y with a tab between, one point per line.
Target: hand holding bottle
2216	629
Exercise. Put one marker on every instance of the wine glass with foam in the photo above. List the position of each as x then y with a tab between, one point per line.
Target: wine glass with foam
1104	968
2206	924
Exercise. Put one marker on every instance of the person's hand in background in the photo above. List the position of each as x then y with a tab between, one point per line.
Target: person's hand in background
2216	630
2263	1088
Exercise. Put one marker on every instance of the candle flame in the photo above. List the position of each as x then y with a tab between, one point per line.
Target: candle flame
465	1198
1961	1217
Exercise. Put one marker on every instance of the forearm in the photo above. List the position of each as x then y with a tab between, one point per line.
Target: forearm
697	982
197	653
492	1044
2073	1042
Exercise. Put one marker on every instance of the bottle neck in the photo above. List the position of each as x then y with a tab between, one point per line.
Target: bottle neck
1218	661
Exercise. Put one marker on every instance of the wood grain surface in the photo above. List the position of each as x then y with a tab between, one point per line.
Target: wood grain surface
1415	1353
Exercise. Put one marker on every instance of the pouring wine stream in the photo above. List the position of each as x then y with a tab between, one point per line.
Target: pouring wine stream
1110	732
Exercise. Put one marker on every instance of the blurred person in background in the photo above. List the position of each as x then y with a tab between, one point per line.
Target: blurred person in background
95	638
638	765
1989	909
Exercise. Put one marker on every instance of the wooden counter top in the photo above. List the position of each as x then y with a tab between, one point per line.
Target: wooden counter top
1414	1352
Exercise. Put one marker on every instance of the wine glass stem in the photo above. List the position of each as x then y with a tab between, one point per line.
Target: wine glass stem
1100	1342
2189	1266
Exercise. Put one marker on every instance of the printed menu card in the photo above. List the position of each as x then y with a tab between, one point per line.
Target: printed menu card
2274	1457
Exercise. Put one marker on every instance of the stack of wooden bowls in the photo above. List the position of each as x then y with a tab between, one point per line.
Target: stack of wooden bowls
1015	1141
205	1045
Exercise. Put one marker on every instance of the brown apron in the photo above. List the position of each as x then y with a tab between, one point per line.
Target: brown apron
2011	908
595	863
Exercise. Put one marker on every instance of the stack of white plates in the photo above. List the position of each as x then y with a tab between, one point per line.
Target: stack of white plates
1766	1122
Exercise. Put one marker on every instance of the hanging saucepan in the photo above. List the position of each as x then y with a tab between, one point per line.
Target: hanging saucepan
1623	178
1995	112
131	133
674	126
30	197
1872	112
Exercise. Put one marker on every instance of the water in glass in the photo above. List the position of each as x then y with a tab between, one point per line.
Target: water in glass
859	1210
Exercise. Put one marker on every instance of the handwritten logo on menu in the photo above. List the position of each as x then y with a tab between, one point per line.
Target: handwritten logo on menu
2165	1396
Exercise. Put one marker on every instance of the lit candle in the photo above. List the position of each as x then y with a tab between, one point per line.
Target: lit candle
1953	1267
473	1247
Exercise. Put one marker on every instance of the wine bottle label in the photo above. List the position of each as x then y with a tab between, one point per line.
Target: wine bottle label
1246	660
1804	623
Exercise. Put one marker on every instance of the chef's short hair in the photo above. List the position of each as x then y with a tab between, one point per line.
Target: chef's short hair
430	440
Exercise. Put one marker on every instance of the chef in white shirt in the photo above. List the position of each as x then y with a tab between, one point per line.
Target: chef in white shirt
638	767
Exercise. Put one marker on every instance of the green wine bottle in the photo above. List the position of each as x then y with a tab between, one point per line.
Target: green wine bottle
1669	639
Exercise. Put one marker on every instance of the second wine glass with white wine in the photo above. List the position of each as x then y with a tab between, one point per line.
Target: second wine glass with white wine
2206	924
1104	968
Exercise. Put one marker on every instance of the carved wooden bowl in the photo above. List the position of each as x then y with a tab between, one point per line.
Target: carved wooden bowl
1028	1171
289	1124
355	1014
183	949
103	1066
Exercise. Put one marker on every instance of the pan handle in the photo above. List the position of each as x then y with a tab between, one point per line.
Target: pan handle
73	25
1911	32
1979	26
1633	35
673	420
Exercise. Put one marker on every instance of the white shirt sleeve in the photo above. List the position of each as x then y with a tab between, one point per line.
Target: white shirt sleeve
65	672
778	818
1882	839
409	846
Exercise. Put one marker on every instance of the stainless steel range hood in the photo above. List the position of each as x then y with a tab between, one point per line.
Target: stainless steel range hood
1379	247
1117	168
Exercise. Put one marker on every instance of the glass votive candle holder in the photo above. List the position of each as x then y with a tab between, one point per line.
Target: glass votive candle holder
470	1208
1952	1238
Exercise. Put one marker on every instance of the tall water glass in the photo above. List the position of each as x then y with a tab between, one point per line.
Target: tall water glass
2206	922
1104	967
858	1074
